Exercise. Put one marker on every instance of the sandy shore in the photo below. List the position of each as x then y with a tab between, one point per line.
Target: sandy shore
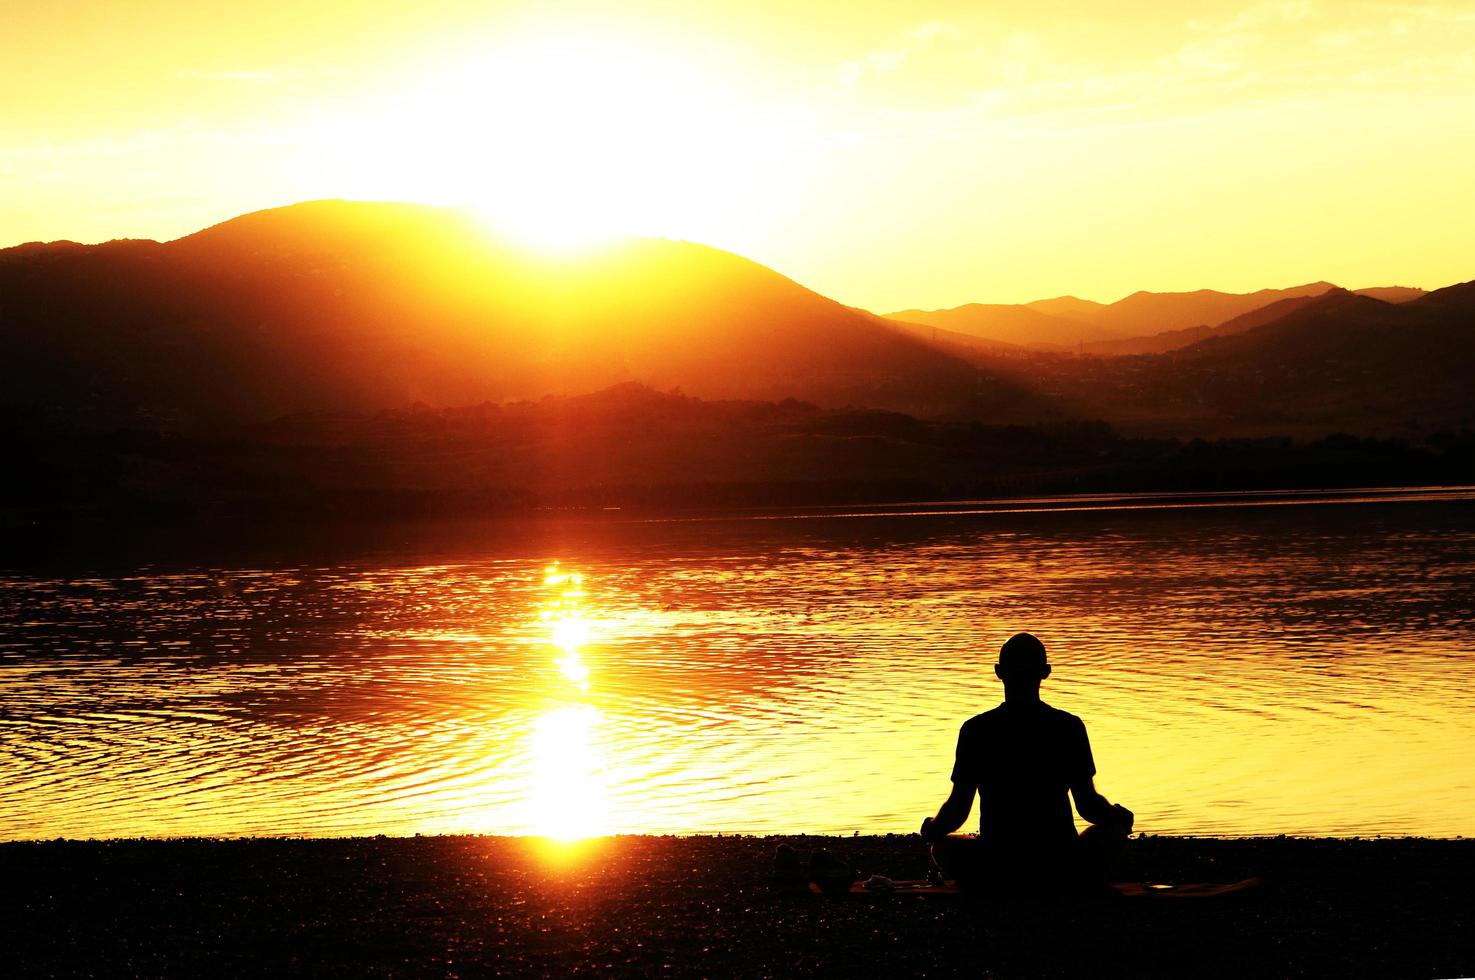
475	907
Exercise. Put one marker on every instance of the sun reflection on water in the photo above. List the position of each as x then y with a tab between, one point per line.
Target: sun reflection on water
569	629
568	800
568	796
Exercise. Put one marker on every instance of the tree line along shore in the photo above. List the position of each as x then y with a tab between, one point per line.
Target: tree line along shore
632	447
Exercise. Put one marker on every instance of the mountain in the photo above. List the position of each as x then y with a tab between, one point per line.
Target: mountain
1174	339
1341	324
999	323
1458	300
338	307
1150	313
1392	294
352	306
1341	361
1303	366
1069	307
943	339
1070	323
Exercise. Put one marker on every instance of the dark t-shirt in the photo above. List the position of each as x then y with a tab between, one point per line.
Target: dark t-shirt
1024	758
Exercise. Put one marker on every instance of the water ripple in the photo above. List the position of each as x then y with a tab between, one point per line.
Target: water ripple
1282	669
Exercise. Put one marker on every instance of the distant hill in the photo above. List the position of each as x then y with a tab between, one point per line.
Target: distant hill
1174	339
945	339
1301	366
1146	313
1018	326
1392	294
1068	323
1069	307
1341	361
1343	324
344	306
1458	300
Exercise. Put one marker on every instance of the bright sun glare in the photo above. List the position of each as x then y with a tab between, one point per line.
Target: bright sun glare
580	120
565	143
566	800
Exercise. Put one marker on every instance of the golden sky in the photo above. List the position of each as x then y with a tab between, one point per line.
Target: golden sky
887	154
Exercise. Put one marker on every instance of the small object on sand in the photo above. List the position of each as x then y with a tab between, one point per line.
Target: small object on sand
832	877
1150	891
788	869
879	883
1190	889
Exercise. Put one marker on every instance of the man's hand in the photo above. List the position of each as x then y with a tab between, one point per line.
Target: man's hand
927	831
1097	809
951	814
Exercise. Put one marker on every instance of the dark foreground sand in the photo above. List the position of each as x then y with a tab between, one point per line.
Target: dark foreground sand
474	907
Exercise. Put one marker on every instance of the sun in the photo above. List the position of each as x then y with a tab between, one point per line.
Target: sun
578	130
565	142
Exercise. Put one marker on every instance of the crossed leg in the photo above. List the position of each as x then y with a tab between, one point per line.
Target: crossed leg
1098	848
1085	868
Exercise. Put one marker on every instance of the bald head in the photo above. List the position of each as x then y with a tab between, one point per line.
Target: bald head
1022	659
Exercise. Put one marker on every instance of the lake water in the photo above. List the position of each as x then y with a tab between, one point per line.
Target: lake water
1260	664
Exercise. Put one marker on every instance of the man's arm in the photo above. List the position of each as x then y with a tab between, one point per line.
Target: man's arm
1090	804
952	814
1095	808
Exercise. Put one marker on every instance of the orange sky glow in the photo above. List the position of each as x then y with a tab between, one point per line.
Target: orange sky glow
887	155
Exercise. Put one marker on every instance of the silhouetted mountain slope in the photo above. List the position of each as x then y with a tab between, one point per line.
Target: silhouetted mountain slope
1335	362
1143	322
1345	360
1458	299
1000	323
1173	339
1212	305
352	307
355	306
1392	294
1069	307
1150	313
946	339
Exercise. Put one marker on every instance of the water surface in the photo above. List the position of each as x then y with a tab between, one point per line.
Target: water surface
1249	666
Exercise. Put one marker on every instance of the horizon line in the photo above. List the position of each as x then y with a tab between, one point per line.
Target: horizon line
628	237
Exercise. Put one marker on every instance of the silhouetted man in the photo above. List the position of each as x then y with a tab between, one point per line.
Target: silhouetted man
1021	759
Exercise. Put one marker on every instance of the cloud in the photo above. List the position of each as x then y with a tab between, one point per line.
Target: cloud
1260	53
948	79
927	31
892	57
257	76
239	76
1259	16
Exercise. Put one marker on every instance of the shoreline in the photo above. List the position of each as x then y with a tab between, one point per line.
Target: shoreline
742	835
40	543
703	905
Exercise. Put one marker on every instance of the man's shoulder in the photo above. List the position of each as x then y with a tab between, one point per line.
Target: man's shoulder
1061	716
1032	715
1005	717
1063	721
984	718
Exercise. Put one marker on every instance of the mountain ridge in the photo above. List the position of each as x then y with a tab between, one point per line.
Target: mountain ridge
337	304
1070	323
